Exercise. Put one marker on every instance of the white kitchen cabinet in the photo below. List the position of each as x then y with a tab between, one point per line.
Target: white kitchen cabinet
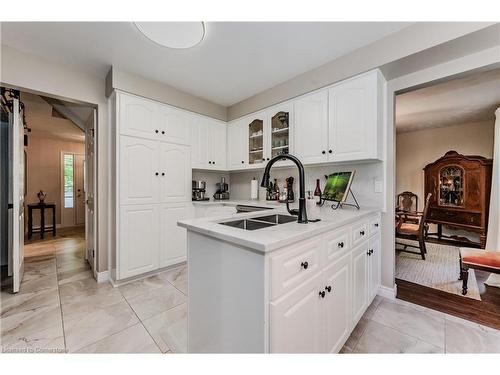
337	303
355	108
208	145
311	128
217	148
359	281
174	125
237	145
288	333
139	239
199	143
138	117
175	173
139	170
374	266
279	131
173	244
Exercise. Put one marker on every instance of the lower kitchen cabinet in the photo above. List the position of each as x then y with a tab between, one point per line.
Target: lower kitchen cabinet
287	316
173	244
139	240
337	303
359	281
374	266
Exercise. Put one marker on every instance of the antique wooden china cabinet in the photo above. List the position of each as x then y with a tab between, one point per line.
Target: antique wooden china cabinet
460	186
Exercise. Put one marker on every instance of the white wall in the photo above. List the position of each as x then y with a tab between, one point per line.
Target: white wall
33	74
362	186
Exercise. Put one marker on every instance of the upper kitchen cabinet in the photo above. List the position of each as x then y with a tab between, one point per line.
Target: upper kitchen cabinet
355	117
257	137
175	173
208	143
311	127
279	127
138	117
237	144
173	125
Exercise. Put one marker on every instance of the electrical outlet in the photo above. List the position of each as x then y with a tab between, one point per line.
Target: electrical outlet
378	186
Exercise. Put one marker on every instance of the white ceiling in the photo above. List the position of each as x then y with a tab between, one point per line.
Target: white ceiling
44	125
235	60
473	98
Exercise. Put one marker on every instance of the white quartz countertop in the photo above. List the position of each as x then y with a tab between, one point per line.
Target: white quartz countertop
236	202
272	238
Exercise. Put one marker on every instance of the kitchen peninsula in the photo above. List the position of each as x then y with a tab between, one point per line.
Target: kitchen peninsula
260	282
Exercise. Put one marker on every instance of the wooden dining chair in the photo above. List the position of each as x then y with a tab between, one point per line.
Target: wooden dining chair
414	230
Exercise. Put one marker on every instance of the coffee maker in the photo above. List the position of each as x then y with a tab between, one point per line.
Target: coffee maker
222	191
199	191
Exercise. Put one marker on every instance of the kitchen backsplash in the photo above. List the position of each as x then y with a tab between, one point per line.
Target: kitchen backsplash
211	178
363	184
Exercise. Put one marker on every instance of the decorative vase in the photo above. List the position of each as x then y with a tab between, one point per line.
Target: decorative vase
41	196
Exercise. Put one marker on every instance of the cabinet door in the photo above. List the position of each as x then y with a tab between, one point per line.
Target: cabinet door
354	118
217	146
311	128
139	240
138	117
139	170
237	142
175	173
257	135
199	142
279	127
173	246
374	267
360	282
174	125
338	303
296	320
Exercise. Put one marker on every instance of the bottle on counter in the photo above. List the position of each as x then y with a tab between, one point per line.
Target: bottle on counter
317	192
276	195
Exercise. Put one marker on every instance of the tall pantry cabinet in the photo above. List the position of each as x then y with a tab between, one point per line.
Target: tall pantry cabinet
152	157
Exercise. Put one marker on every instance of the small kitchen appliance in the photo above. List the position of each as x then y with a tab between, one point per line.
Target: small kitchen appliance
199	191
222	189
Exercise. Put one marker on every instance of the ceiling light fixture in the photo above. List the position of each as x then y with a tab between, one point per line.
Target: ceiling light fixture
178	35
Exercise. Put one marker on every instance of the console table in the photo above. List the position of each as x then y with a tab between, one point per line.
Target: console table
42	207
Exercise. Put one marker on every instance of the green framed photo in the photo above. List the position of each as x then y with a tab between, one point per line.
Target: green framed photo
338	185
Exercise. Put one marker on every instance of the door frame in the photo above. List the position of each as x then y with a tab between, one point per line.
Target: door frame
61	169
481	61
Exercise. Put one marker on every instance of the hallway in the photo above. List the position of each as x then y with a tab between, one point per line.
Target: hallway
61	308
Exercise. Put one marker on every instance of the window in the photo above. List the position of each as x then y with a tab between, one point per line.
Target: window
68	181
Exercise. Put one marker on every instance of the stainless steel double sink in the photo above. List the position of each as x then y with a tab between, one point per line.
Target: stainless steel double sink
260	222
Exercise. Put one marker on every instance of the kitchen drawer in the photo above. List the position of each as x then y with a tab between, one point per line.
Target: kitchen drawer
374	225
337	244
359	233
457	217
294	265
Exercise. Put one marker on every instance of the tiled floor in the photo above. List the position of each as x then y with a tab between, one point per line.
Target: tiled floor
396	326
61	308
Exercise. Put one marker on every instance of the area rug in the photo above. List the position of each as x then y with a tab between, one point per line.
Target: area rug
439	270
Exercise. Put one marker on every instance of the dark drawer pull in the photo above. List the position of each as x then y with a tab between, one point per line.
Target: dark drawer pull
376	225
340	244
322	294
362	232
304	265
328	288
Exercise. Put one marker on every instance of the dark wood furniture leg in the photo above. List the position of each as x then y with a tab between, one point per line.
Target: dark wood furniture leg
42	222
30	222
53	221
440	231
464	276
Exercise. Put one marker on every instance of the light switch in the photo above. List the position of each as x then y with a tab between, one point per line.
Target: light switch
378	186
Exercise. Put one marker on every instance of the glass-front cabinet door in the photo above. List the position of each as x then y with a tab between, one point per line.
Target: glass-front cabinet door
451	186
280	130
256	141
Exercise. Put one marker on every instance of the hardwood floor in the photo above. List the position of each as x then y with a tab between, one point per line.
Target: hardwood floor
486	311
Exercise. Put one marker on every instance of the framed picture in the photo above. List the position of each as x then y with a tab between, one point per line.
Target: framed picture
338	185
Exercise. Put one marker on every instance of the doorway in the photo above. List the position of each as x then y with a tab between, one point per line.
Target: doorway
443	155
58	181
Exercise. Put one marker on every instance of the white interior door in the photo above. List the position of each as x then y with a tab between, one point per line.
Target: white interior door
79	190
17	188
90	188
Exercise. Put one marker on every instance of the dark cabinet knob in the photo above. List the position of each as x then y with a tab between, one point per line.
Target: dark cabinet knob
156	131
304	265
323	152
242	162
267	159
213	162
371	251
376	225
322	294
163	173
156	174
362	232
263	159
163	132
368	252
209	162
330	151
328	288
340	244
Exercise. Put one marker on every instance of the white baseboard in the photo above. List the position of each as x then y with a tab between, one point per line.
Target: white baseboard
387	292
102	277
